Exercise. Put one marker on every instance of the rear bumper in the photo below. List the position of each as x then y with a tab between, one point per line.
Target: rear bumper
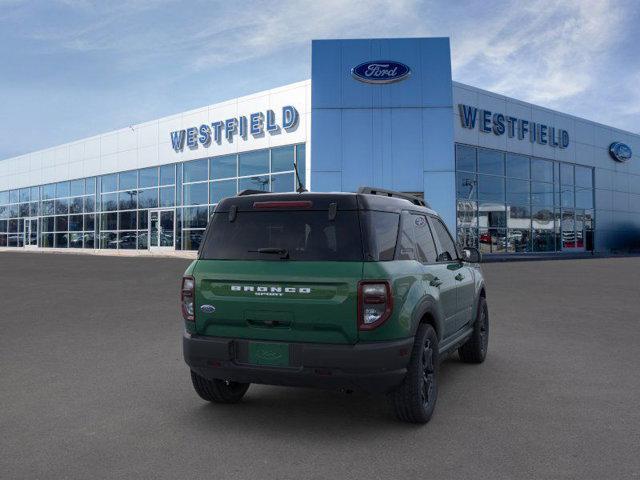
372	367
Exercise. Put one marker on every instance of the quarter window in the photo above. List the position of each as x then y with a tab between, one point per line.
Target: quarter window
424	241
447	249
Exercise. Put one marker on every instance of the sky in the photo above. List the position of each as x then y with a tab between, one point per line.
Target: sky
70	69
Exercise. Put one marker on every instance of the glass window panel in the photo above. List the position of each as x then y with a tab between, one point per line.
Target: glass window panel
517	166
48	224
89	240
541	170
143	219
128	220
14	196
62	206
48	192
75	223
544	240
466	186
13	210
75	205
192	239
89	204
46	240
35	194
491	188
195	170
62	189
179	186
517	191
148	198
223	189
566	194
76	187
224	167
282	159
128	180
109	201
127	200
128	240
33	209
90	185
3	226
109	183
13	225
490	161
254	183
108	240
109	221
89	222
168	175
518	240
541	193
584	197
282	182
167	195
252	163
148	177
492	240
24	210
301	161
4	198
568	229
62	223
196	194
4	211
467	214
3	240
519	217
492	215
566	174
75	240
584	177
196	217
465	158
24	195
62	240
542	218
143	239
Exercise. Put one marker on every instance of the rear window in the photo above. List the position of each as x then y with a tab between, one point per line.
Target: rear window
303	234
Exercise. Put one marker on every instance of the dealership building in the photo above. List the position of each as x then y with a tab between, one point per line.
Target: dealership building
507	176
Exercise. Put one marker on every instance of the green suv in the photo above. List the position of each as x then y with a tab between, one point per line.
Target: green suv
353	291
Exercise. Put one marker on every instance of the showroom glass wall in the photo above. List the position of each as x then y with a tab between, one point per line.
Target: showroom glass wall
509	203
164	207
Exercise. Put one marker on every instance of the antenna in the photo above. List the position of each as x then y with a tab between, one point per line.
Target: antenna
300	188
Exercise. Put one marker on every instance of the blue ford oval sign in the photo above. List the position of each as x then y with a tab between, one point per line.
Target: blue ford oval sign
380	71
620	151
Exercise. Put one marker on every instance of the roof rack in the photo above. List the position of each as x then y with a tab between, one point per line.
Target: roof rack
392	193
249	191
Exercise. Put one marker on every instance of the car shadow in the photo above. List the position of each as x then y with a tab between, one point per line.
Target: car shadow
297	412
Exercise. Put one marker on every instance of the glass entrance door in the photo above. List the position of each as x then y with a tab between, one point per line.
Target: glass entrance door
30	232
162	229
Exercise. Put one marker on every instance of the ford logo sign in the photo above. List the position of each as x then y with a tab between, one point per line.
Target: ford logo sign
208	308
620	151
380	71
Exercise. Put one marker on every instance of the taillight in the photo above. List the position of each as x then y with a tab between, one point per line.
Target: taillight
187	298
375	303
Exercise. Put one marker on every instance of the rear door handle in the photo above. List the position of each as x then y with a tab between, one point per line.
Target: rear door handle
459	277
436	282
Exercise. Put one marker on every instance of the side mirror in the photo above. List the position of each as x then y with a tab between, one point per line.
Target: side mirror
471	255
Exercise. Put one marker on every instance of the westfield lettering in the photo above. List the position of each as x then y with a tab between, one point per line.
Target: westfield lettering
255	124
499	124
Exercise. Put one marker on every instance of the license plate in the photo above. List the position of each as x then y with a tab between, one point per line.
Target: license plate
271	354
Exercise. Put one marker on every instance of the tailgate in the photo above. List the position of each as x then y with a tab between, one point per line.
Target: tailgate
291	301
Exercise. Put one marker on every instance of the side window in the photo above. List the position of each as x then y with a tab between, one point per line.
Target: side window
406	243
424	241
447	249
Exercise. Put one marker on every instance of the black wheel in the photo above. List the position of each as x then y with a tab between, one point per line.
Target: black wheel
218	391
475	349
415	399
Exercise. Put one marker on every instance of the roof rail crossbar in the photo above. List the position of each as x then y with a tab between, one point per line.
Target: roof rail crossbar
392	193
249	191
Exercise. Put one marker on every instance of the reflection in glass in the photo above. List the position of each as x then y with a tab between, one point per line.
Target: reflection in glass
75	240
465	158
89	240
61	240
282	183
223	189
519	240
148	198
254	183
517	191
109	183
127	200
167	175
62	223
492	215
282	159
517	166
195	170
108	240
192	239
252	163
492	240
466	186
109	202
491	188
196	194
541	193
148	177
541	170
568	228
490	161
127	240
519	217
128	180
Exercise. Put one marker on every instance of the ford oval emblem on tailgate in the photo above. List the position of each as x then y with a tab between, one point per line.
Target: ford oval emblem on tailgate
208	308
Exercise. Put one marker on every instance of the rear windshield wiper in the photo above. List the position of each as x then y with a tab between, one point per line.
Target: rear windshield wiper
283	252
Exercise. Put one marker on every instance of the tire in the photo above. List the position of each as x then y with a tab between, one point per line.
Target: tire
218	391
415	399
475	349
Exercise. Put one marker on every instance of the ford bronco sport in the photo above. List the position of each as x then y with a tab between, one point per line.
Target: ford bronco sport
350	291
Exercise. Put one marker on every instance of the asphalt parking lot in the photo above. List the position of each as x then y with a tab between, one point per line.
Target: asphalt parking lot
93	385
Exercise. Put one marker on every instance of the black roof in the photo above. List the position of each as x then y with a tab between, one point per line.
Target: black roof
321	201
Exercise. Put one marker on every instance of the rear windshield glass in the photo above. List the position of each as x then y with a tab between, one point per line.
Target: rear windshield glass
276	235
